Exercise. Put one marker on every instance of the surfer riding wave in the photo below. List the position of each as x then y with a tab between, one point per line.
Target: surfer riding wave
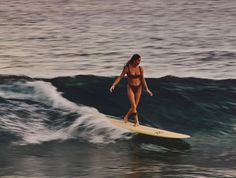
136	80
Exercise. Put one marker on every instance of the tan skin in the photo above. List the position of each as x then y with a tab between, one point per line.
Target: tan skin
134	96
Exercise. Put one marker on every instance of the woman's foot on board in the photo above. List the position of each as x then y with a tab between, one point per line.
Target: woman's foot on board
126	119
136	121
136	124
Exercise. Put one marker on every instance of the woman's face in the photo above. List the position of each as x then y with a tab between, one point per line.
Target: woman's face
137	62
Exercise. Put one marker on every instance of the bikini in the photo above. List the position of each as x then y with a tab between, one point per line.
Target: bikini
134	88
130	76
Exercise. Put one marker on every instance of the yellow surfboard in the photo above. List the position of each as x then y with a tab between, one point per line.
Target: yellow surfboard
141	129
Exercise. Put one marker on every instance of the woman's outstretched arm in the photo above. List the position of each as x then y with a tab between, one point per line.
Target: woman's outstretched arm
118	79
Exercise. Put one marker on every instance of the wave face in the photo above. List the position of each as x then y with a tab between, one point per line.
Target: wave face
39	110
181	104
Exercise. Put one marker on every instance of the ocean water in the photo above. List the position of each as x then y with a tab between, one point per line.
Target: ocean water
71	37
58	59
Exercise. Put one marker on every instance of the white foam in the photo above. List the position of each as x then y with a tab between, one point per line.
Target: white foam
48	94
39	91
96	127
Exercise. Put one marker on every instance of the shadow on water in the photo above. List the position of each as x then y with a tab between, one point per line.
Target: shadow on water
164	142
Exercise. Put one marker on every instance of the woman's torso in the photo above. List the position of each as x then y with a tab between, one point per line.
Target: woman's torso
134	75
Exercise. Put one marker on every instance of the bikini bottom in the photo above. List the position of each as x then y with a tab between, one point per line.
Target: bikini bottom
135	88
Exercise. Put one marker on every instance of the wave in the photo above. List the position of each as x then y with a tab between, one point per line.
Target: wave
35	110
189	104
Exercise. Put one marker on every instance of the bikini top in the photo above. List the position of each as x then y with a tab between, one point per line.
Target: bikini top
131	76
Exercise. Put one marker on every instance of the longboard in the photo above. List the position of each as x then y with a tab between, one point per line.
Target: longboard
141	129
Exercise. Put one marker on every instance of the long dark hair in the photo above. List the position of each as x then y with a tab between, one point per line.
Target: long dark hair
132	59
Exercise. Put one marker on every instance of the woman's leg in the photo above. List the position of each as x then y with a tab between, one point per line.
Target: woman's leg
137	99
127	115
131	97
138	94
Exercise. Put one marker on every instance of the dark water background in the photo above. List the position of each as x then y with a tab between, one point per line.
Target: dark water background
57	62
58	128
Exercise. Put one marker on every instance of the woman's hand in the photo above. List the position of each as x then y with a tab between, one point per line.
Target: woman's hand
112	88
149	92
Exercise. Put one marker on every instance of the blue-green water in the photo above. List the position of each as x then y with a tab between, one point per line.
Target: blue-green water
56	126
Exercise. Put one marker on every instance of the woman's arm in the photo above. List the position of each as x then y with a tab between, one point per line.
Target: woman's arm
118	79
145	83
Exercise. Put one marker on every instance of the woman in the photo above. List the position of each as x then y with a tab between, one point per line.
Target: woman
136	79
